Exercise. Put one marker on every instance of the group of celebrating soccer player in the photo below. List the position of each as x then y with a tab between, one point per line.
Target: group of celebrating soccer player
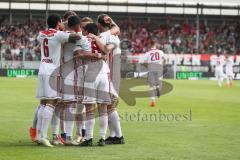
79	75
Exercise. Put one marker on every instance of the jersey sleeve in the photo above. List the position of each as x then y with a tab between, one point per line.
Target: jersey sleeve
83	44
112	40
105	36
40	37
62	36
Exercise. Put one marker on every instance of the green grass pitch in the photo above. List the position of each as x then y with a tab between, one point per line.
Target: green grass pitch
212	133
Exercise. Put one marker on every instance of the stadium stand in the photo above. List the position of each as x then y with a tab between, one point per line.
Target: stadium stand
18	42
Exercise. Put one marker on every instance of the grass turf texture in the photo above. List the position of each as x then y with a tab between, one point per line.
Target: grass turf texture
212	134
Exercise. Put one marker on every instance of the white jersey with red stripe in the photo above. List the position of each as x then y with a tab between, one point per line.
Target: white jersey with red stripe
219	63
106	38
51	42
155	56
91	46
69	68
96	82
113	63
116	51
116	40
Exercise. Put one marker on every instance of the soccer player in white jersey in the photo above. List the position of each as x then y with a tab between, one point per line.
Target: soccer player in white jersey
33	128
66	15
219	70
70	73
51	41
229	71
58	118
96	87
55	119
80	118
155	61
109	32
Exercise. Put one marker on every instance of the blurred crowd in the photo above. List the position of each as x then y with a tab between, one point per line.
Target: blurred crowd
182	38
18	42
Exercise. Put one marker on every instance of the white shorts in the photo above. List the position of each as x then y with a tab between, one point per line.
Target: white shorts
219	73
97	91
45	90
230	75
72	74
69	87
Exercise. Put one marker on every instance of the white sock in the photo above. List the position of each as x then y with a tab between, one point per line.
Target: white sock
83	125
69	128
46	120
84	117
111	128
34	123
62	119
219	82
39	121
80	123
151	92
103	121
89	128
55	123
79	128
70	118
152	99
115	121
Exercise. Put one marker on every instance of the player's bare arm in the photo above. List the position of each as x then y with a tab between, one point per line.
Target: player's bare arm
87	55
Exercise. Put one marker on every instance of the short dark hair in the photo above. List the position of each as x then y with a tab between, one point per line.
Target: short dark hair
92	28
68	14
73	20
152	42
101	21
53	20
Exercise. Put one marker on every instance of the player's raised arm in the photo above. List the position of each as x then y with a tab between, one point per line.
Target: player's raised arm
115	30
107	24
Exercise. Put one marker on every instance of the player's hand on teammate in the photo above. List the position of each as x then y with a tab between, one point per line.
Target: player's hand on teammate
105	57
92	36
